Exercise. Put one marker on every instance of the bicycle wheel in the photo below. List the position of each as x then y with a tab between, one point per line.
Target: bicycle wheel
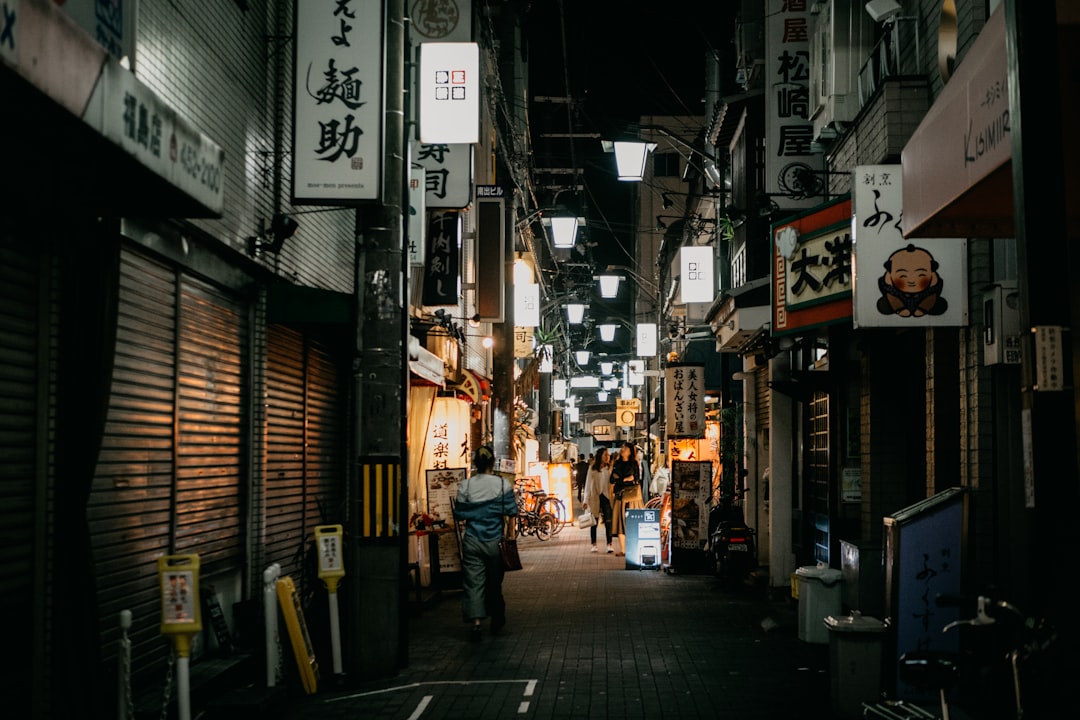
545	526
556	507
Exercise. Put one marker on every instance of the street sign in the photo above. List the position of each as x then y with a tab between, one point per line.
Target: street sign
626	411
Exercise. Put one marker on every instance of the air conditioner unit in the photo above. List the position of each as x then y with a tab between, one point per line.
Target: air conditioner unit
841	38
1001	325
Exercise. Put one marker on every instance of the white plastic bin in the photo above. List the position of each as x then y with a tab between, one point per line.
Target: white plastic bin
819	597
855	653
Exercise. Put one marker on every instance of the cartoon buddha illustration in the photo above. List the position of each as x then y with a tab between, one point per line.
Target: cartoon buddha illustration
911	286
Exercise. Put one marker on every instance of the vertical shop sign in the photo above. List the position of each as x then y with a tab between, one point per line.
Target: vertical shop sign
523	342
417	216
698	284
789	133
441	271
684	387
447	175
449	90
901	283
491	234
337	102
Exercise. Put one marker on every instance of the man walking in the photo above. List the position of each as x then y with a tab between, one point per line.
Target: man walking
581	474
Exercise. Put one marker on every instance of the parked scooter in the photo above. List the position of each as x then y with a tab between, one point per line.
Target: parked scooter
731	542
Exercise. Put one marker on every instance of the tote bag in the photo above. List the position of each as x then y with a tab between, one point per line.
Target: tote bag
508	548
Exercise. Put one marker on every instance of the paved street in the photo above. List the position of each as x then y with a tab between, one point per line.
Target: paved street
587	638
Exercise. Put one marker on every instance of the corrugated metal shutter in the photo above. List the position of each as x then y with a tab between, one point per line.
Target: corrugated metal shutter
284	495
130	503
210	426
327	413
168	475
18	443
761	384
305	416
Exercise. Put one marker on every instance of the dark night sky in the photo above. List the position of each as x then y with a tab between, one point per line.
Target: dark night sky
625	60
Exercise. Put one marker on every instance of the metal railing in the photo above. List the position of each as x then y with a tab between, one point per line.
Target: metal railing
896	54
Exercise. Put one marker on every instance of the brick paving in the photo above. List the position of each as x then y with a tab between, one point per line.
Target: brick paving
587	638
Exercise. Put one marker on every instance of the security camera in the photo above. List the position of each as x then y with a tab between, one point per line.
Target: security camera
883	10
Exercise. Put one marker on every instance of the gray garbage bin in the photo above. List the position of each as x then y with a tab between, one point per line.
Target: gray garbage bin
819	597
855	652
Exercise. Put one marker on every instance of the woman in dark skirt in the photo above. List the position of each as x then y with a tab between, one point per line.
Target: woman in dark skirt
626	489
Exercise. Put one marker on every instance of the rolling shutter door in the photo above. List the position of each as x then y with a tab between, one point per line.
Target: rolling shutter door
284	494
130	503
18	441
304	436
761	384
168	475
326	437
210	426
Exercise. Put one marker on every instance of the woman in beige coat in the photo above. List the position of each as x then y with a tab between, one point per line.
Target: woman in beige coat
597	498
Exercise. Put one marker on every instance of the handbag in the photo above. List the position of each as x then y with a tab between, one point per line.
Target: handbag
508	548
585	520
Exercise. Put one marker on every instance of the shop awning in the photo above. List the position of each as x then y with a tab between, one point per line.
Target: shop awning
728	116
426	365
472	386
72	105
957	166
739	314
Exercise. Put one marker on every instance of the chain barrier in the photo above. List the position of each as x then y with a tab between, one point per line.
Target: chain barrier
167	695
129	702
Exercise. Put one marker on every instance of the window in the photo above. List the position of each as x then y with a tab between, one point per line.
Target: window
666	164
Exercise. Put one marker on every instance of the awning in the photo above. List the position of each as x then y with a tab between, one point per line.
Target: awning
957	166
73	106
426	365
739	314
728	116
473	385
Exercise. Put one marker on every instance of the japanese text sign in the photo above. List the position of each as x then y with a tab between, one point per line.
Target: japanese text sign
447	175
789	130
812	270
338	99
684	388
442	271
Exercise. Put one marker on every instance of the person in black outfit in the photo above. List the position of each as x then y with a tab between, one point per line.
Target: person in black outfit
626	488
581	474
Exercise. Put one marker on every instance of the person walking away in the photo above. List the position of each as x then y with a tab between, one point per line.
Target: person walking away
597	499
626	490
483	502
581	474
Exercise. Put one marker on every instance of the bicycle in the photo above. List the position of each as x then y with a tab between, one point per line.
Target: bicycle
1010	676
554	505
533	521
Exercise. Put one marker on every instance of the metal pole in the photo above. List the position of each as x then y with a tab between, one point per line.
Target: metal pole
378	514
270	621
183	688
335	633
123	700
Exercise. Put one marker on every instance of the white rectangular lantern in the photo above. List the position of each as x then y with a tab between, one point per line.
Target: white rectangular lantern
449	91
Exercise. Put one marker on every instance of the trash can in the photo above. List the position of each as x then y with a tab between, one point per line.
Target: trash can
819	597
855	651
